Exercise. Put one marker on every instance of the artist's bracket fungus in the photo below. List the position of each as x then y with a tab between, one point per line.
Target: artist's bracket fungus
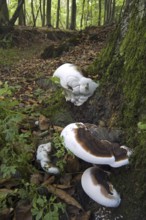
77	88
43	156
80	139
96	185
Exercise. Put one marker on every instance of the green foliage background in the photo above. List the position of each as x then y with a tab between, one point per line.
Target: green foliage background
90	12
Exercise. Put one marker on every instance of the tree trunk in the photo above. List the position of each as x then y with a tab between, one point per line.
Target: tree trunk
73	15
58	14
82	15
99	13
67	15
21	20
32	12
42	11
4	13
122	68
48	16
87	14
113	10
16	13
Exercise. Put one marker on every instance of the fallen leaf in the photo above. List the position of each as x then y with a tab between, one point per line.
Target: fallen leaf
23	211
43	123
63	195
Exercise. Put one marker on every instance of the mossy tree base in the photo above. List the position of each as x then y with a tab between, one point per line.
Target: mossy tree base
122	68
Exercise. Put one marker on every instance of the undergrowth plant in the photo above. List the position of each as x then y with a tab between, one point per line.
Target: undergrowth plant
16	155
15	150
60	151
42	206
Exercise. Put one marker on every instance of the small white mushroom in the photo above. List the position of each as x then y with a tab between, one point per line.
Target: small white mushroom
83	143
43	157
77	87
96	185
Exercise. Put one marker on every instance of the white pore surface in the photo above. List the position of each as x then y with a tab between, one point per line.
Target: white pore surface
94	191
77	87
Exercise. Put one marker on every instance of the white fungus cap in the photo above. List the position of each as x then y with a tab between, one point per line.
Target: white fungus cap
82	143
96	185
77	87
43	157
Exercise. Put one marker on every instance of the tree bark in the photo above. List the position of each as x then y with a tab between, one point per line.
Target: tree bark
4	13
82	15
21	20
122	68
32	13
99	13
58	14
16	13
67	15
73	15
42	11
48	16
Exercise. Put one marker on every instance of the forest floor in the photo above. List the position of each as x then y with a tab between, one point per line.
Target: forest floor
24	69
23	65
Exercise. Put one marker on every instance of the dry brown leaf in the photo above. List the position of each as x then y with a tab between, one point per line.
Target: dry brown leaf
43	123
57	128
23	211
63	195
5	213
82	216
60	186
9	183
66	179
48	179
36	178
72	164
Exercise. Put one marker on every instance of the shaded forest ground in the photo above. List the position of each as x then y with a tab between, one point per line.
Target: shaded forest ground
22	67
22	64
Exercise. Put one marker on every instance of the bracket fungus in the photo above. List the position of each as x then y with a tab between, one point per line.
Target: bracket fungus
81	142
85	141
77	88
96	185
43	157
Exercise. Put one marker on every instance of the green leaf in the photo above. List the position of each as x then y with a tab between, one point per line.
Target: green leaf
55	80
141	126
39	215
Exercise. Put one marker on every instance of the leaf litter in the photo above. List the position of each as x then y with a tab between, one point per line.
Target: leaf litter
30	78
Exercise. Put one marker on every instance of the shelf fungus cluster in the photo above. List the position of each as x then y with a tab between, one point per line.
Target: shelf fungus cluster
85	141
44	157
77	88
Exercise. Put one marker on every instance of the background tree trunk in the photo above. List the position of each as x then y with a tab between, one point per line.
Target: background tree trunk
73	15
21	19
67	15
4	14
32	12
43	11
99	13
48	16
58	14
113	10
16	13
82	15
